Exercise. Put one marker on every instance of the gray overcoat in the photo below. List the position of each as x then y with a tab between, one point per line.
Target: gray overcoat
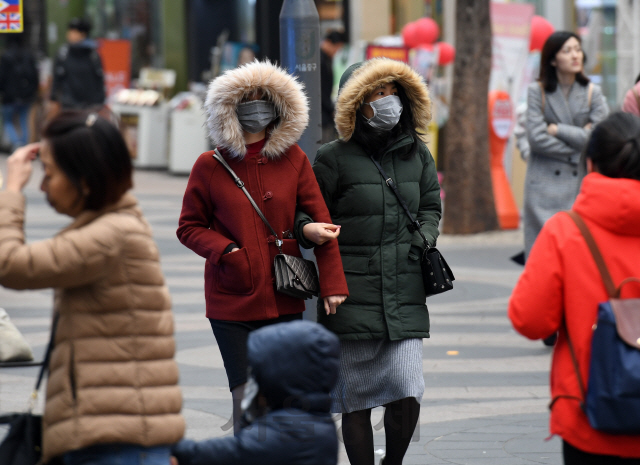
554	168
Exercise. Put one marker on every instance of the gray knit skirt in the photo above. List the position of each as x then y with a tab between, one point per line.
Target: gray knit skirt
376	372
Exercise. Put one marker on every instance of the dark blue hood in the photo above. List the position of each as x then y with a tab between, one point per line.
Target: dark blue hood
295	364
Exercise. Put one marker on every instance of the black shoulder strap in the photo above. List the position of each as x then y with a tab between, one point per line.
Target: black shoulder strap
415	224
47	355
240	184
597	255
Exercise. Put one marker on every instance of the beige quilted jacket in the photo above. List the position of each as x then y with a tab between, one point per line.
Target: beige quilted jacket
112	375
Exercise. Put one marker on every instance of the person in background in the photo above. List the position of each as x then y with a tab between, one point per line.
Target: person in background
562	108
561	286
332	43
380	105
256	114
78	78
286	418
19	82
112	390
631	102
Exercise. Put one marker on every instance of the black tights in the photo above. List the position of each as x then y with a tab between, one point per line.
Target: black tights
400	419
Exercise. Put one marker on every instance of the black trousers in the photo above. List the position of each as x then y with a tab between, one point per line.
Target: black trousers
575	456
232	337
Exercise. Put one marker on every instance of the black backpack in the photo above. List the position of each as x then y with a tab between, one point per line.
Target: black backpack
23	80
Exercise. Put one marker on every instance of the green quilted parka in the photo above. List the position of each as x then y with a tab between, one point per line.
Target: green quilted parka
380	255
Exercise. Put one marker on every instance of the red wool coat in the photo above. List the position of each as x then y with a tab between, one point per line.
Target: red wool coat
215	213
561	280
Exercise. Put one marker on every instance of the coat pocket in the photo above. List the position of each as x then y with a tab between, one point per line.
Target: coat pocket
356	264
234	273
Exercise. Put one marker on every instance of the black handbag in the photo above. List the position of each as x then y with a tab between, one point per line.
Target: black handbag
294	276
437	277
23	443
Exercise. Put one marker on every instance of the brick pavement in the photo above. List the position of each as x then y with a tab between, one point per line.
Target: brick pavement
486	387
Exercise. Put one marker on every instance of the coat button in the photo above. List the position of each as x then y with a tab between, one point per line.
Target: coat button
263	161
557	172
267	195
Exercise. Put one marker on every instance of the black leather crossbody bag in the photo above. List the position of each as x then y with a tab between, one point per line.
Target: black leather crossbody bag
295	276
23	443
437	277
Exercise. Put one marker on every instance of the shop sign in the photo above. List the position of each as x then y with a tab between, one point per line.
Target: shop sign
11	17
395	53
116	64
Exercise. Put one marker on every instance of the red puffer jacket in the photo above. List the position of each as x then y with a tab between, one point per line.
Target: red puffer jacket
561	280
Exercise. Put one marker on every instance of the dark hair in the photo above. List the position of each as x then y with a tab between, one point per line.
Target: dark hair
377	141
335	37
80	24
91	152
614	146
637	78
552	46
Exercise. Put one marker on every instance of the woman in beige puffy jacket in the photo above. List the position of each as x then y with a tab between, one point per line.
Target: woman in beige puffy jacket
112	393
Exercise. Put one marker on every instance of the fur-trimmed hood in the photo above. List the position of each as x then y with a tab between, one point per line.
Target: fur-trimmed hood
361	79
284	90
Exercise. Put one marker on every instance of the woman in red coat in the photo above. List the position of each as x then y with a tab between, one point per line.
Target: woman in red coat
256	114
561	282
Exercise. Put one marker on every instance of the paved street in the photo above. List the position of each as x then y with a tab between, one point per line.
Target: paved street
486	387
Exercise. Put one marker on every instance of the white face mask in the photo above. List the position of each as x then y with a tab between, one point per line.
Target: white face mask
386	112
255	115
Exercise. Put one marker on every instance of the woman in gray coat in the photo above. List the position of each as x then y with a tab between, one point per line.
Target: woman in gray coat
562	107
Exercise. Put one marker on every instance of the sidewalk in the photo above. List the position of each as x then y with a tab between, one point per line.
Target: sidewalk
486	387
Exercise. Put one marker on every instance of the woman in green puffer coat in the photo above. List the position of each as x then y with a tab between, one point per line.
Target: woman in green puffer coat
382	104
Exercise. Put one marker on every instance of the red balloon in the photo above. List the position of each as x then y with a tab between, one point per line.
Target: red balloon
541	29
446	53
427	30
410	35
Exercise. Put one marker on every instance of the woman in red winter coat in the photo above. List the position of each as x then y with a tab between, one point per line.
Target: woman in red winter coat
561	282
256	114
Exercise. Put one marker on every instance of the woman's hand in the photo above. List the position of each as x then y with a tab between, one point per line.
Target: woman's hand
552	129
19	166
319	233
332	302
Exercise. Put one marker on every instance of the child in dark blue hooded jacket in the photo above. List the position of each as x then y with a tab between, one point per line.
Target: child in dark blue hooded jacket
295	366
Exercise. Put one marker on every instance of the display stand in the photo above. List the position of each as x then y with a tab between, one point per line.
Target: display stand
145	129
188	139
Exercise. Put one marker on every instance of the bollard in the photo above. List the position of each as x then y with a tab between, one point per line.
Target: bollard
300	55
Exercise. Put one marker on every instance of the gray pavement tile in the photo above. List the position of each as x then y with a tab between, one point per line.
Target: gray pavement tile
470	453
492	461
462	444
533	443
552	459
471	437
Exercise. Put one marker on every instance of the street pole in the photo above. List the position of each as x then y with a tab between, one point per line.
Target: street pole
300	55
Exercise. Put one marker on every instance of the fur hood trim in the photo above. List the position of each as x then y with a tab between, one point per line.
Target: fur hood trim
367	78
284	90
